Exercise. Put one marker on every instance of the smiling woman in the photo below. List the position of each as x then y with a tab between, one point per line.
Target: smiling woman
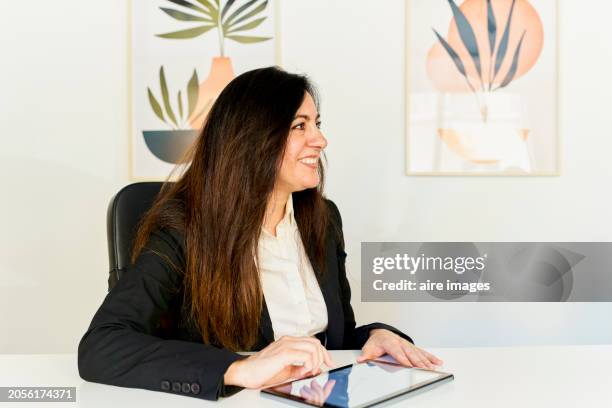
243	252
300	168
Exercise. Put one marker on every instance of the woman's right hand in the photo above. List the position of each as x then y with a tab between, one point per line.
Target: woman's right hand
278	362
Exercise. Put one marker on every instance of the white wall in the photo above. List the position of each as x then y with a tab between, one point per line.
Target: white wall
63	126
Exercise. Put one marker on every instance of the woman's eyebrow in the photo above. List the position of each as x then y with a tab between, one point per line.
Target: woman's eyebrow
306	116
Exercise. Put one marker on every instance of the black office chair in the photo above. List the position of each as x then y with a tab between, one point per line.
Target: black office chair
125	210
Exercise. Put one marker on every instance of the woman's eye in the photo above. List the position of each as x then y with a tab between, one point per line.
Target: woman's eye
299	126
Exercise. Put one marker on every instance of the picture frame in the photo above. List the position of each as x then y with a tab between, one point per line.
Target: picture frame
446	134
172	83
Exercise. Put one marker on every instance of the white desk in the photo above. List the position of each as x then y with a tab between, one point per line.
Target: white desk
568	376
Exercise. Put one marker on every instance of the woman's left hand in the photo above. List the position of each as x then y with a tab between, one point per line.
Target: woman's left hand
382	341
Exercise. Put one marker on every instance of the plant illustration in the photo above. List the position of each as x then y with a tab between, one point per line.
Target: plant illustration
494	56
165	111
230	21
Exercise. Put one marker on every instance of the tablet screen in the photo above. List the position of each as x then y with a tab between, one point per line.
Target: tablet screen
357	385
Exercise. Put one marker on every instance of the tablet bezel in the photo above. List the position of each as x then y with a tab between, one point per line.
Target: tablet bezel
294	398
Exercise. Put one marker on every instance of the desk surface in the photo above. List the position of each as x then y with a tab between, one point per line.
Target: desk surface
555	376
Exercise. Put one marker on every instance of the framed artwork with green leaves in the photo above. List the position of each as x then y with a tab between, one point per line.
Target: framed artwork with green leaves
182	53
482	88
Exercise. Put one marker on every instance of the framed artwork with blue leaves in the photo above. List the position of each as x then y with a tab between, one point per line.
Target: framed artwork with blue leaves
482	88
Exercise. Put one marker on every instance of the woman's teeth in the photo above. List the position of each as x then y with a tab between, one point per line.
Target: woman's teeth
309	160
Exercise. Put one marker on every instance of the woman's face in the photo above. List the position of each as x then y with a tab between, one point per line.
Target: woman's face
299	169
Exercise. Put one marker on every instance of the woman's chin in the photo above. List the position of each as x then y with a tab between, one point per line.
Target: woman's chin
312	183
305	185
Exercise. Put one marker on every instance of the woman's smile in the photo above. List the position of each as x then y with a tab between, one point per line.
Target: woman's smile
310	161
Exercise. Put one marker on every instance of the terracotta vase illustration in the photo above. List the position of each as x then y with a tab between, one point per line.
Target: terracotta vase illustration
221	73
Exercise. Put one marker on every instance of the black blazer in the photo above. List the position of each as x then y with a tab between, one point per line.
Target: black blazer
141	337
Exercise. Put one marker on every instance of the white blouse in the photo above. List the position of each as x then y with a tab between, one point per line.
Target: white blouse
293	296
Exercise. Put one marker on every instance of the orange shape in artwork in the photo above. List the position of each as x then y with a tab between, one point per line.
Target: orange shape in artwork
444	74
221	73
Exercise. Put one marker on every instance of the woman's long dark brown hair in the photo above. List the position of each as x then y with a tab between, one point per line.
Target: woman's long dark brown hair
219	203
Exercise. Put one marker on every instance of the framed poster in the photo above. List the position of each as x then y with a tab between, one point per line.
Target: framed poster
482	91
182	53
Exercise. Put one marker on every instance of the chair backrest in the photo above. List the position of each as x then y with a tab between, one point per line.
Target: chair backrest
125	211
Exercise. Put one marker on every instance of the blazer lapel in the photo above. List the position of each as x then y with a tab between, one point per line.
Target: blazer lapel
266	332
335	320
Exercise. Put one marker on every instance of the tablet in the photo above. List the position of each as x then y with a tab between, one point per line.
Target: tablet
356	385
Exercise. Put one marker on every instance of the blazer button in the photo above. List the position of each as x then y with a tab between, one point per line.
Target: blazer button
165	385
176	386
186	388
195	388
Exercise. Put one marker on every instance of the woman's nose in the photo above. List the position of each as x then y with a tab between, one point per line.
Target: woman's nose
318	140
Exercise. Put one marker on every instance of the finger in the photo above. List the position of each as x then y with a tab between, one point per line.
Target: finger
304	343
295	372
415	358
435	360
312	344
425	359
321	353
279	344
327	358
369	352
324	356
400	356
307	347
318	352
425	363
292	355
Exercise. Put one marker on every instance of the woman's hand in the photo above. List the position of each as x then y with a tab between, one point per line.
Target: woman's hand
382	341
288	357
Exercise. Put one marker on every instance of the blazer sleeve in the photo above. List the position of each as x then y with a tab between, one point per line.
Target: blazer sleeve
119	348
354	337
